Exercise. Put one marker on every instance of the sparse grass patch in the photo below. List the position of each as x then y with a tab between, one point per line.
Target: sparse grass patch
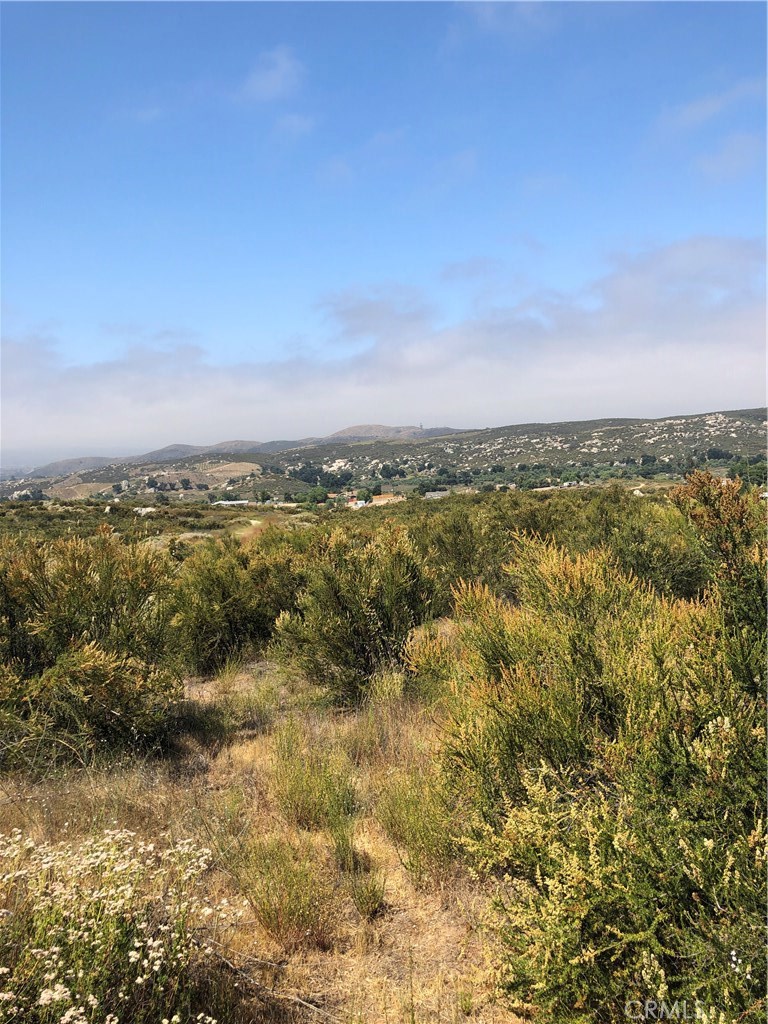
385	688
342	831
414	814
314	788
384	732
465	1003
290	896
368	890
222	708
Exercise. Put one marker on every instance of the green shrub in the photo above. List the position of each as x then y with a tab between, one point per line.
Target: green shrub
650	540
612	898
227	599
541	682
609	763
731	524
95	697
359	605
86	643
69	593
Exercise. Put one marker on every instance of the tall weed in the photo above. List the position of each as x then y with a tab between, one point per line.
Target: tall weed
415	814
313	786
291	898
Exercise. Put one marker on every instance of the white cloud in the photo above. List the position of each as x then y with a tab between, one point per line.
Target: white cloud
679	329
543	184
381	151
476	269
336	170
737	155
148	115
524	16
295	126
461	165
382	316
276	74
513	21
698	112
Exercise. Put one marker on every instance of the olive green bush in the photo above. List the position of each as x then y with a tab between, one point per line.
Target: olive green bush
72	592
85	635
359	604
730	522
227	599
609	761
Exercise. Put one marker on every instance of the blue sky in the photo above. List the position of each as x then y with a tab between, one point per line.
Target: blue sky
262	220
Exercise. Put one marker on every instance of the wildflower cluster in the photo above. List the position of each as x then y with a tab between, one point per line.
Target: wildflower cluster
101	932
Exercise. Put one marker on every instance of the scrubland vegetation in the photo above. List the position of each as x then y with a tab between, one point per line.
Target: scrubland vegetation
498	759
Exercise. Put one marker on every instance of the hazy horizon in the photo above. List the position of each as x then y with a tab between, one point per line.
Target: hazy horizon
44	456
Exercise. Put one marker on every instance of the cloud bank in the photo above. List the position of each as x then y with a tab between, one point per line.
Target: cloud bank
679	329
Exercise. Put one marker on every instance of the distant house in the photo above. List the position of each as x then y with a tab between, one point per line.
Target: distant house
437	494
386	499
243	502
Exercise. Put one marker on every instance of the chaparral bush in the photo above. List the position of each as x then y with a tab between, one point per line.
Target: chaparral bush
353	617
64	593
85	642
608	747
228	597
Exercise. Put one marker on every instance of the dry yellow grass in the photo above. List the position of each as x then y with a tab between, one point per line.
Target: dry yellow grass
423	959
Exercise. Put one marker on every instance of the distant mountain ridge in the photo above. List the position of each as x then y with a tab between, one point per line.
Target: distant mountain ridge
361	445
174	452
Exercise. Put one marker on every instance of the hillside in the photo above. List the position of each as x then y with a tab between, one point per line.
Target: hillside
175	452
530	454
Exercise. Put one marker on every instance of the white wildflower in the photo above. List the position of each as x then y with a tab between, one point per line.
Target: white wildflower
59	993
